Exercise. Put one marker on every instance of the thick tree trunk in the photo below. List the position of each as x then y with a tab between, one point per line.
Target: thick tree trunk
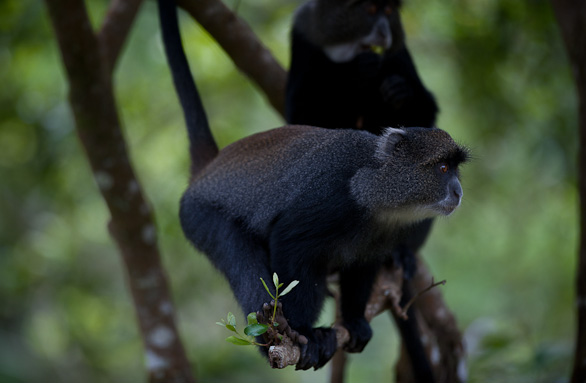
88	61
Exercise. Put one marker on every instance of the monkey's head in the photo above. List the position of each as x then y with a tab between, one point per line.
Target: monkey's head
416	175
346	28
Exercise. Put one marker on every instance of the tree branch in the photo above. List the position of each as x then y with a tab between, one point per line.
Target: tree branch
98	127
571	16
439	334
115	29
243	47
439	331
386	294
420	293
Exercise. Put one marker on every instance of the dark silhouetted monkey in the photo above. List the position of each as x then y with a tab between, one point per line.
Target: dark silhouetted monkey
336	80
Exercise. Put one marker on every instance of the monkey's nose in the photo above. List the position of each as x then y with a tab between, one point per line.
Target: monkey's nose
457	192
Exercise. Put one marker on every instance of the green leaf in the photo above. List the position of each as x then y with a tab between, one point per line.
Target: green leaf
221	324
256	329
238	341
280	285
267	288
251	319
275	324
231	328
276	280
289	288
231	319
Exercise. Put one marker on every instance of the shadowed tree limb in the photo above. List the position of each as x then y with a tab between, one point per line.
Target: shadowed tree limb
88	64
438	330
386	294
243	47
115	28
439	333
571	17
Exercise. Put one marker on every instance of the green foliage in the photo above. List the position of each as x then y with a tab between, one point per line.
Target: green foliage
500	75
277	294
254	328
238	341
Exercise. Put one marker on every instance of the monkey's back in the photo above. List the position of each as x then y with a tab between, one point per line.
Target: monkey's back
256	178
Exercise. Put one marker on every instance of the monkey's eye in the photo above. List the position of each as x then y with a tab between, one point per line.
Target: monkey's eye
371	9
388	10
443	167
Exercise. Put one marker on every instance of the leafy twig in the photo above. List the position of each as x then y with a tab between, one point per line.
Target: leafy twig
254	329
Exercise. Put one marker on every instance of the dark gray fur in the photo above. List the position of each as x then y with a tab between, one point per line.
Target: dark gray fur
304	201
259	177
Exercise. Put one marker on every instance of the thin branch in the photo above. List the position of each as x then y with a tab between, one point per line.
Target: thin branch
98	126
243	47
405	309
338	367
339	360
115	28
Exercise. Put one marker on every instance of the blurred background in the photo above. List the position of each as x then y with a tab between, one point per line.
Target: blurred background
504	86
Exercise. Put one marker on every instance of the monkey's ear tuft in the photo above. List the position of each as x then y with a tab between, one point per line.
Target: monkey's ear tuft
387	142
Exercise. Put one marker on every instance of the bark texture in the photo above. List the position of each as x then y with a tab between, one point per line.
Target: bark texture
88	59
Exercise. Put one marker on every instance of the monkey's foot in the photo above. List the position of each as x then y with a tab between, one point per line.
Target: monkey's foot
360	334
320	348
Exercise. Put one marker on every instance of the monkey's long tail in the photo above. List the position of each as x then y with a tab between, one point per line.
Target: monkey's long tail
202	146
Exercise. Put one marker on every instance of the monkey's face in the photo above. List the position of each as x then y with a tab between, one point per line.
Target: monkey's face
446	184
418	176
348	28
434	175
431	190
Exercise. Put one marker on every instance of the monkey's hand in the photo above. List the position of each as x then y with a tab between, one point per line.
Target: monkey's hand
321	346
395	91
273	335
360	334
